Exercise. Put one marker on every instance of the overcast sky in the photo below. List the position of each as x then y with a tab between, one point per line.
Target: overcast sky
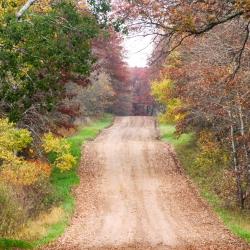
138	49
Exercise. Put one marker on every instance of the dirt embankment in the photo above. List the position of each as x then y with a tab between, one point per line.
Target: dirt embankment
133	195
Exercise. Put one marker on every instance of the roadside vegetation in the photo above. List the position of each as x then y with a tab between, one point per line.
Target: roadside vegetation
55	76
200	78
188	152
63	182
50	224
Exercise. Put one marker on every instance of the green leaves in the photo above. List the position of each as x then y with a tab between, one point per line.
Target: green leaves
36	50
100	8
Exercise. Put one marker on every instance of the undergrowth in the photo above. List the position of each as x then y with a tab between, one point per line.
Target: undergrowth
53	223
64	181
236	220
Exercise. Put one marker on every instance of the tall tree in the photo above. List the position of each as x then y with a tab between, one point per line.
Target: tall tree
39	54
112	62
199	73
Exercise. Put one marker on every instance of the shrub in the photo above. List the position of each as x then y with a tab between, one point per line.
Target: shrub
212	167
15	169
212	156
12	140
64	160
20	173
38	197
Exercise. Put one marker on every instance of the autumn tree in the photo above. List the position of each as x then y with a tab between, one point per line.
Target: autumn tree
93	100
172	22
39	54
208	101
112	62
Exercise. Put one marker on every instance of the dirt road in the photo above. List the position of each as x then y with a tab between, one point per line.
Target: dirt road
133	195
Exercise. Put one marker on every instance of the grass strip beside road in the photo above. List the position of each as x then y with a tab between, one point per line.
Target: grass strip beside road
185	145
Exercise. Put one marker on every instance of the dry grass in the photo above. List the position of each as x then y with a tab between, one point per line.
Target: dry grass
38	228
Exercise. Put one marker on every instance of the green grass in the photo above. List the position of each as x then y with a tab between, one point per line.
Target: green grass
10	244
236	220
64	181
168	135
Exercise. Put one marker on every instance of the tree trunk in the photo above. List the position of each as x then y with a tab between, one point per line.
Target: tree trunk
240	195
245	149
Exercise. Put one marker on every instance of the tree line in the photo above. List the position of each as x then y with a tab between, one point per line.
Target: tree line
201	68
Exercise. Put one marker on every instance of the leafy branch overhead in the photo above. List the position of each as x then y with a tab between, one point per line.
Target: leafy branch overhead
39	53
202	81
174	22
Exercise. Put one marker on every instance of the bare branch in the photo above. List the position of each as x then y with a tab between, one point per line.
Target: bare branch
25	7
211	25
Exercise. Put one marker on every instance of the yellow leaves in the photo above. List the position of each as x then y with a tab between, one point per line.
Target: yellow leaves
51	143
8	6
64	159
172	114
55	144
42	6
162	90
12	139
18	171
65	162
15	169
211	154
24	173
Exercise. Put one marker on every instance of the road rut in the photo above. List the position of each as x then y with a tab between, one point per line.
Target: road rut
134	195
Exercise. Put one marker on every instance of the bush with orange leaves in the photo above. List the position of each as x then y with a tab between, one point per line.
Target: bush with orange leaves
26	182
15	169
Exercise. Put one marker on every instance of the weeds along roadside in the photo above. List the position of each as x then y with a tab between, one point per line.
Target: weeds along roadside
48	226
63	182
237	221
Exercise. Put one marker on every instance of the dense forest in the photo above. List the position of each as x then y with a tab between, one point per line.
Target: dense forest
62	66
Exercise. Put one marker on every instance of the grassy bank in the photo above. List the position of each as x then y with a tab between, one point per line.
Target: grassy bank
236	220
